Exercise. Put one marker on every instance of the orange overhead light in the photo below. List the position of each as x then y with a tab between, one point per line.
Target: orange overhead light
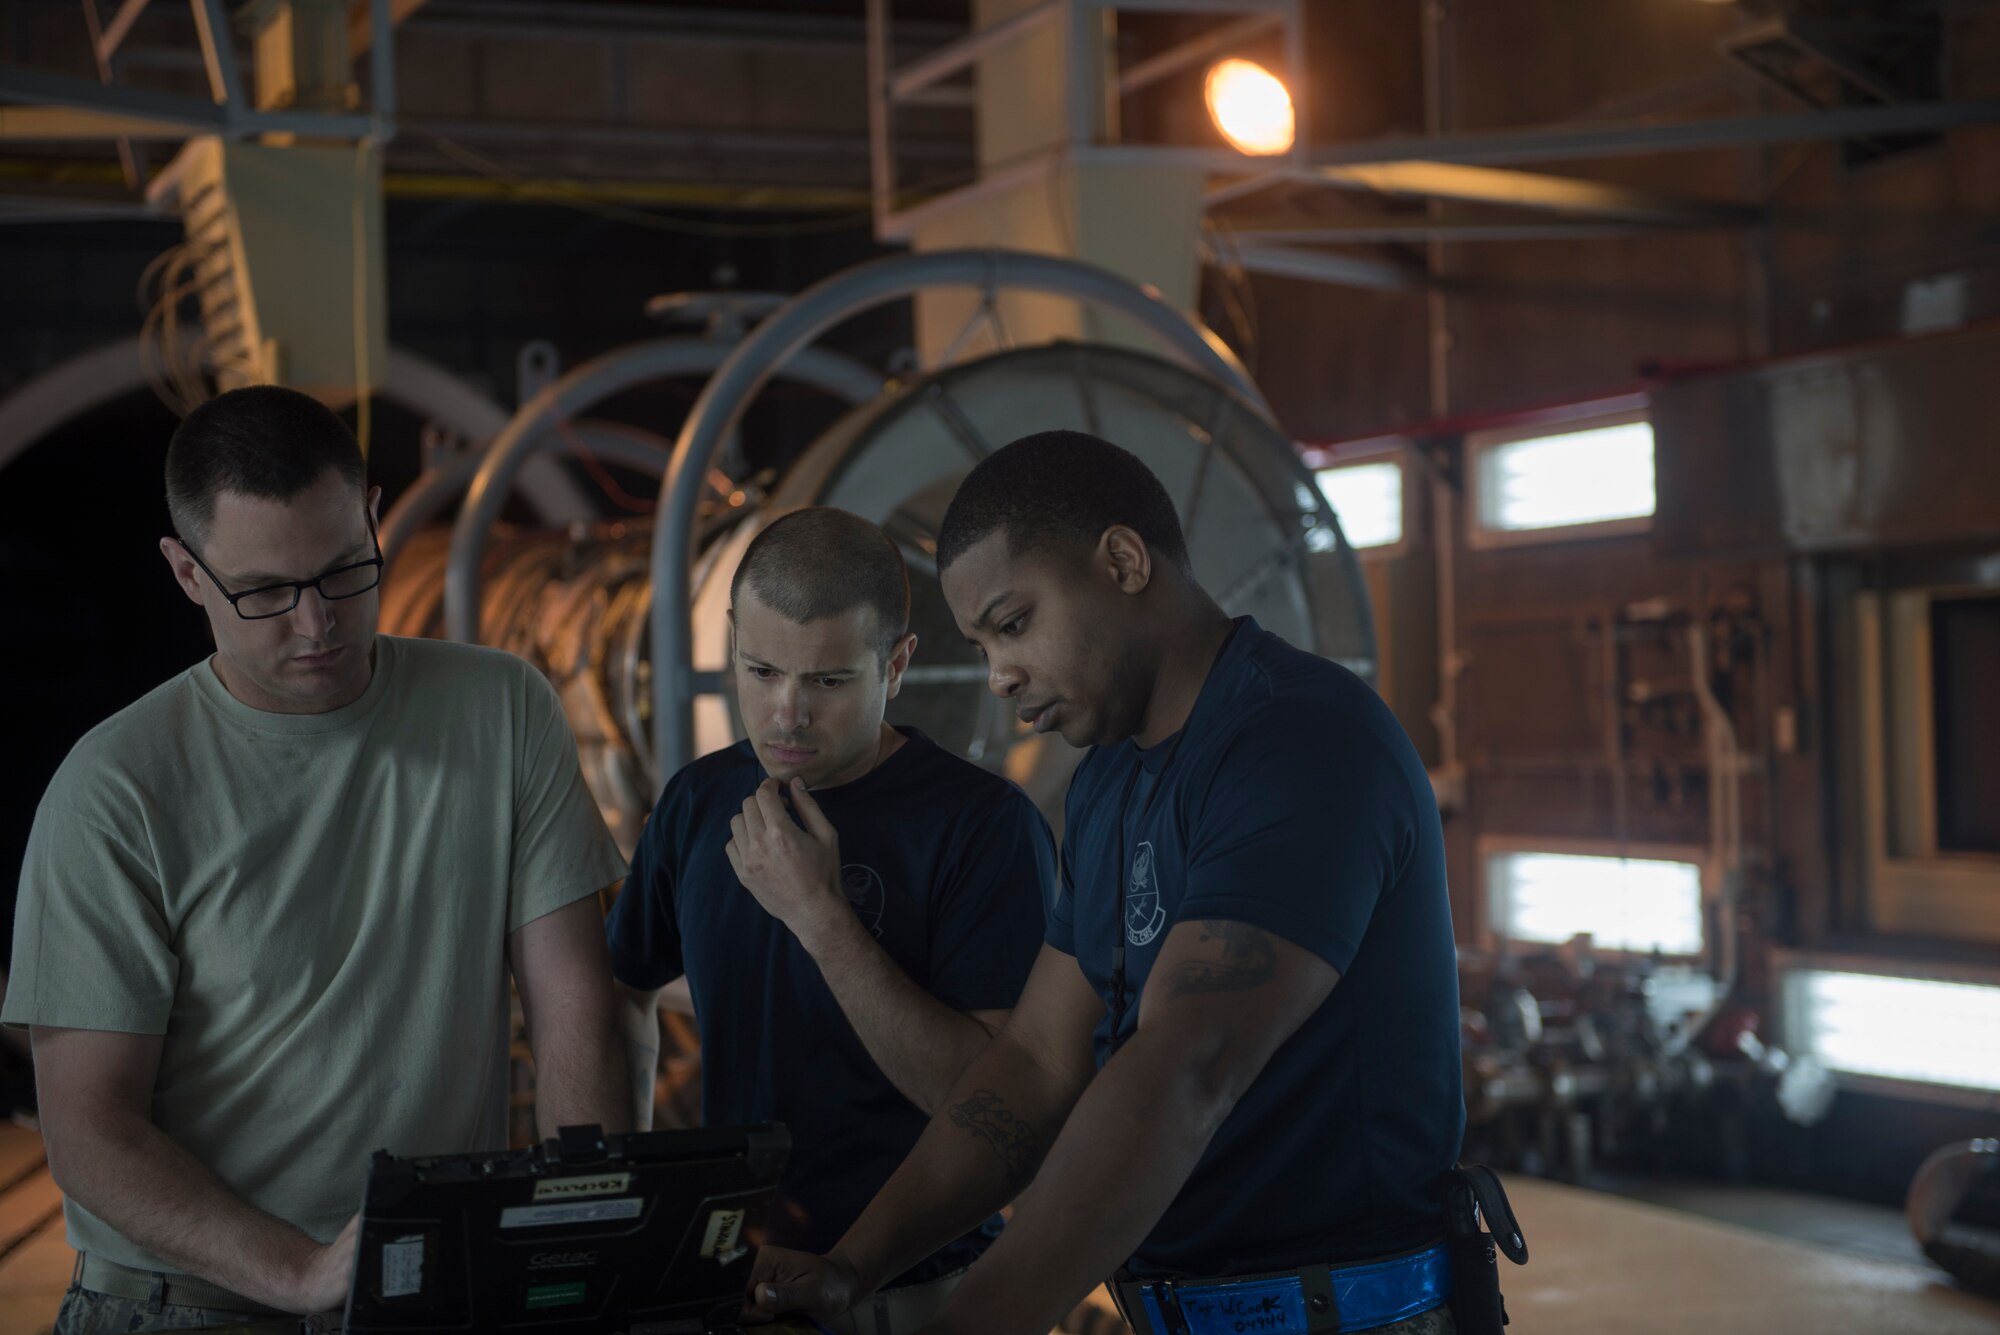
1250	106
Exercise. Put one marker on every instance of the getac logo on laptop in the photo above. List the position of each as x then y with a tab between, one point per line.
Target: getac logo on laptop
571	1188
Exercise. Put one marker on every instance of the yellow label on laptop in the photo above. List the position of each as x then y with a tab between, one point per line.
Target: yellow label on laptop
577	1188
724	1238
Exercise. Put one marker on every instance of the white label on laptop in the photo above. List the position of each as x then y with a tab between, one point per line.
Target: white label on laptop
724	1238
403	1266
575	1188
583	1212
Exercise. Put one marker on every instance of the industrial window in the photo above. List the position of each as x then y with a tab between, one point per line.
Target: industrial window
1590	480
1368	498
1929	778
1965	646
1926	1030
1635	904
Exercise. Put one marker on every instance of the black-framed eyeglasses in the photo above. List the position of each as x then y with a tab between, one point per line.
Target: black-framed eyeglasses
274	600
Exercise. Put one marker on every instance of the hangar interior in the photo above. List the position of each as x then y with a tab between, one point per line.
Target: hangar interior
1602	383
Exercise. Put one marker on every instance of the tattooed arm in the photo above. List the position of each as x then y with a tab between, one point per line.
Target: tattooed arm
1220	1000
979	1151
1222	997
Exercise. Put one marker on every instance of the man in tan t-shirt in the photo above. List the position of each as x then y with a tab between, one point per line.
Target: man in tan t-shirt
268	912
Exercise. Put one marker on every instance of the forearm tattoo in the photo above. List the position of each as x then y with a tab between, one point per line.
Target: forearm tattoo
1014	1143
1249	960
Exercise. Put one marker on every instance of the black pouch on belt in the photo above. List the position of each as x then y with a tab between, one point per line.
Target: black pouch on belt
1474	1202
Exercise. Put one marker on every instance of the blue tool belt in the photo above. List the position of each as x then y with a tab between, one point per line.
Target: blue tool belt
1314	1300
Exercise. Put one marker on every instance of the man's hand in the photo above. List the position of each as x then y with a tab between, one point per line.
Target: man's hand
324	1278
783	1281
794	873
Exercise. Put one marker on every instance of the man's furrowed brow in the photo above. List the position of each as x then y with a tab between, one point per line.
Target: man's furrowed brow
987	610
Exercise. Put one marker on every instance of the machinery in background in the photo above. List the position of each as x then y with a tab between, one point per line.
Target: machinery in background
581	602
1574	1061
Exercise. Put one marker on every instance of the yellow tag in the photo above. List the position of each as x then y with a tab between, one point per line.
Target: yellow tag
724	1238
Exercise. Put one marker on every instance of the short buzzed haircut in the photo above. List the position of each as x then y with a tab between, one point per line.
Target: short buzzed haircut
1060	489
821	562
264	441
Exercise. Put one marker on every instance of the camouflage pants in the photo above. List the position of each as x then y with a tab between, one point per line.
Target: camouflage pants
86	1312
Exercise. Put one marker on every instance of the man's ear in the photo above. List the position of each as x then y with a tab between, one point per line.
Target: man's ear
899	663
1123	557
185	572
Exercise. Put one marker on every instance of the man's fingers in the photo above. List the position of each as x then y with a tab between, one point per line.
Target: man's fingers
817	824
752	817
770	805
780	1298
735	856
739	831
783	1281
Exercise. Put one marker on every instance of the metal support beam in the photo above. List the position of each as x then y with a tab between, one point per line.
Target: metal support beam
119	28
1528	190
119	110
1320	267
128	159
56	123
361	22
1532	190
382	61
881	117
1558	143
218	51
23	84
955	56
1147	72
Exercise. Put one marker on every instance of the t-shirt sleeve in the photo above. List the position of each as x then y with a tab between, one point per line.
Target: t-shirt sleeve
987	924
92	945
1300	832
562	852
643	934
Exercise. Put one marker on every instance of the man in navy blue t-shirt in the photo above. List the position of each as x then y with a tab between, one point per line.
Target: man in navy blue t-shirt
1237	1055
855	909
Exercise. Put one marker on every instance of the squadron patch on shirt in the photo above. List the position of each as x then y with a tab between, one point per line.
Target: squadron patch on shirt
863	887
1144	914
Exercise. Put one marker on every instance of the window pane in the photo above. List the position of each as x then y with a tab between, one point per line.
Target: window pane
1965	720
1940	1033
1634	904
1582	477
1368	498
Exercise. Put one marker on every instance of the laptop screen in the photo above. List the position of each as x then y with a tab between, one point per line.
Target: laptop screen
588	1233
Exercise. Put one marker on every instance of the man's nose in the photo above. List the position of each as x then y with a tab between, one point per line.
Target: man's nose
1004	679
313	617
788	708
